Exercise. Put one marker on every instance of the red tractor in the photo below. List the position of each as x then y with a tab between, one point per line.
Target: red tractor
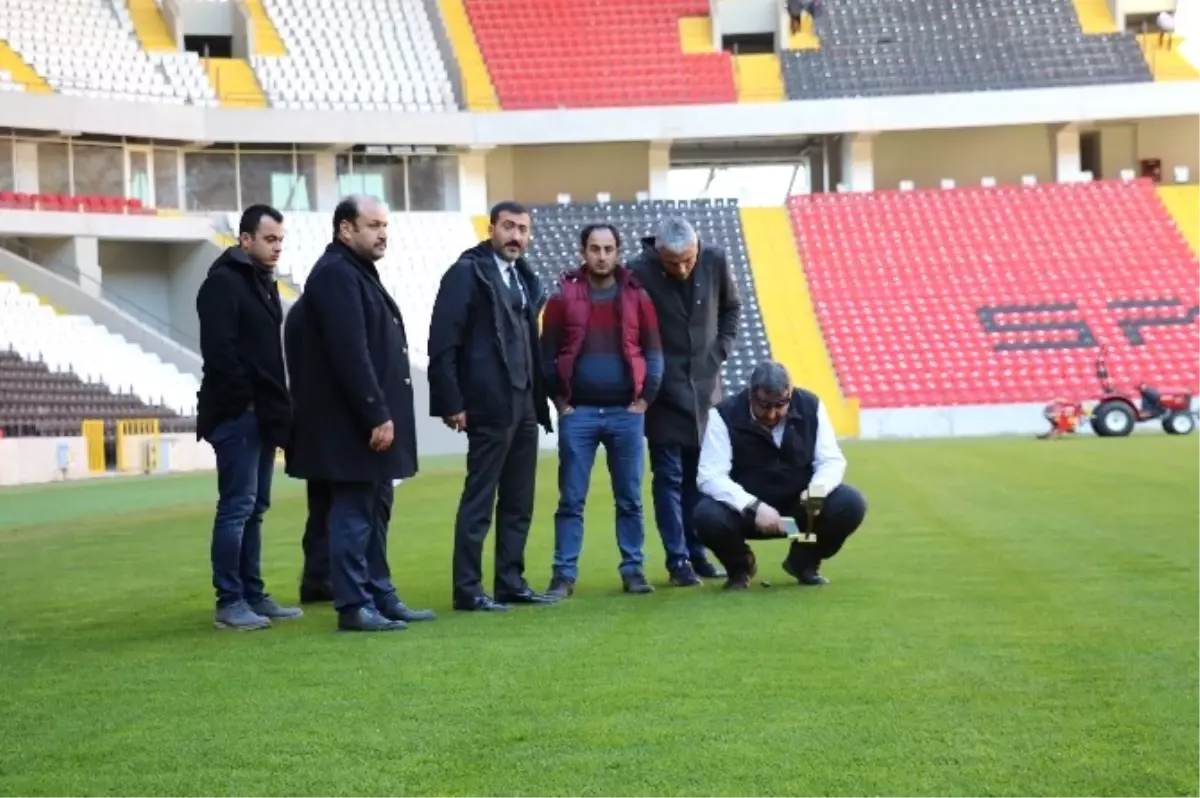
1116	411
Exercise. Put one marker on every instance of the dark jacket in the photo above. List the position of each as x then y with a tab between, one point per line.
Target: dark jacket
697	337
348	362
468	360
634	343
774	474
240	318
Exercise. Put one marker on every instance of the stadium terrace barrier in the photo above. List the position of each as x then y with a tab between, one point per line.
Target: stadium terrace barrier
458	128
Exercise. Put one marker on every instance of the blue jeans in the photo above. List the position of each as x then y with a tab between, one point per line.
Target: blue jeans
244	470
580	434
675	496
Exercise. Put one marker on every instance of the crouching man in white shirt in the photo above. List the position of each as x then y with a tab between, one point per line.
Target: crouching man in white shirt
764	450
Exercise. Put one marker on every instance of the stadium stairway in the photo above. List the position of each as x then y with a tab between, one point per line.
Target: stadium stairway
788	314
1166	64
806	39
478	90
1094	16
695	34
759	78
267	40
150	27
235	82
480	223
22	73
1183	203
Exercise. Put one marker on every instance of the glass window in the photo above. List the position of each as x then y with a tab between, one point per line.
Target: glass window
380	176
99	171
210	181
54	172
305	192
8	168
270	178
166	178
433	183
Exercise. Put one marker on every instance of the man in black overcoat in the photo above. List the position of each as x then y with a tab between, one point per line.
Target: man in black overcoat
699	312
485	380
353	412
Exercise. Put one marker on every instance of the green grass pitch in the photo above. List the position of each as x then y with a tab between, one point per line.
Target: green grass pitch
1015	618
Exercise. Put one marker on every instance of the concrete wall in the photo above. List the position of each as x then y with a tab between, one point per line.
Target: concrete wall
927	156
538	174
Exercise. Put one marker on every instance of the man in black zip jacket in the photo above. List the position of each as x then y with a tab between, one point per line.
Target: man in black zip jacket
485	380
244	411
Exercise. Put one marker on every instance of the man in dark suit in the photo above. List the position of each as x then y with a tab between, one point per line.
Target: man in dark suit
699	311
484	379
354	426
316	585
244	411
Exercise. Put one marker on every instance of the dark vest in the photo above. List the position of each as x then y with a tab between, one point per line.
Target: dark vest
774	474
518	334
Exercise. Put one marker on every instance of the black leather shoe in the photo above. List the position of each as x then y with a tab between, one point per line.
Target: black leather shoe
526	596
636	583
484	603
315	592
396	610
738	582
367	619
806	576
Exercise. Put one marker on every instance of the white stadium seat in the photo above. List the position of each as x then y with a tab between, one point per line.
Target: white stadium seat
88	48
78	344
382	57
421	246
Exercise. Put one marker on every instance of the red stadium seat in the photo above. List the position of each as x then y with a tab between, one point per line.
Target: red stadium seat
593	54
918	292
67	203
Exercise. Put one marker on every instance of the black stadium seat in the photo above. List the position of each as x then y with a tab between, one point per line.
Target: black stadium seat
872	48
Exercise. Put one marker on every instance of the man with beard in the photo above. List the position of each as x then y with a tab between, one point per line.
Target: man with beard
485	380
603	363
699	310
354	425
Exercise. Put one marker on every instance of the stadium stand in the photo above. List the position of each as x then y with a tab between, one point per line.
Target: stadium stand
387	60
78	345
35	401
555	249
421	247
903	283
89	48
890	47
596	53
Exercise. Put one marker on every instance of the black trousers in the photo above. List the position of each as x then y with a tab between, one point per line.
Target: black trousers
359	515
316	534
725	531
501	474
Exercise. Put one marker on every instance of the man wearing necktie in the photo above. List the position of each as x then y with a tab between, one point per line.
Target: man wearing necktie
485	380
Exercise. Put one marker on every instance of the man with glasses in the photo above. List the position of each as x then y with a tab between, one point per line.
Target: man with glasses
765	451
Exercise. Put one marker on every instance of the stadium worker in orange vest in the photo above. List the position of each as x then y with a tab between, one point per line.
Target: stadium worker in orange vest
603	364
